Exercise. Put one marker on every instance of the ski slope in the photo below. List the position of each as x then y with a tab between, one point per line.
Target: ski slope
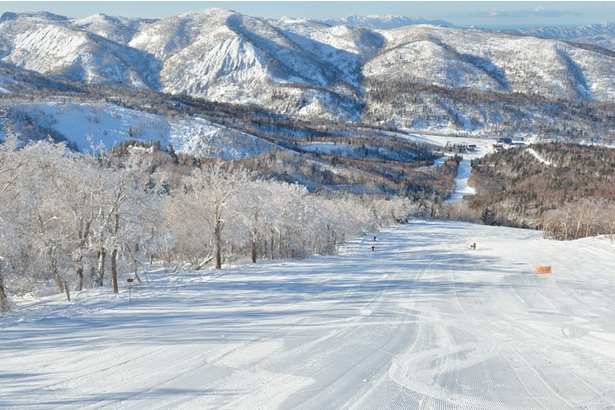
421	322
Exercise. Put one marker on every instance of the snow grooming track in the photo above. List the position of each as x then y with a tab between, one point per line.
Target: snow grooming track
348	361
421	322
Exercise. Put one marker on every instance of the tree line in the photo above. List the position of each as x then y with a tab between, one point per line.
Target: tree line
71	221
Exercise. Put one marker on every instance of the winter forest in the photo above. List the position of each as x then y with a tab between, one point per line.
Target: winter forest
71	221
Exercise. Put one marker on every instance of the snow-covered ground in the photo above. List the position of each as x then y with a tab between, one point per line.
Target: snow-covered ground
422	321
537	156
483	147
107	125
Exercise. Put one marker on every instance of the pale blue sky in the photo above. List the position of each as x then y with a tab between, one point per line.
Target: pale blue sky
488	14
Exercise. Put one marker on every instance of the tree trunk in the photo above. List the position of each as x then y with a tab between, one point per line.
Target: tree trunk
79	269
116	229
135	262
60	281
4	302
253	236
83	237
98	274
218	245
114	283
253	246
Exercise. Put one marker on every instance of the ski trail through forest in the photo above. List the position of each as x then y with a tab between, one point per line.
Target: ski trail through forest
422	321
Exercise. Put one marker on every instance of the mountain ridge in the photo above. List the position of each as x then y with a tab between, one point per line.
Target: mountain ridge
421	77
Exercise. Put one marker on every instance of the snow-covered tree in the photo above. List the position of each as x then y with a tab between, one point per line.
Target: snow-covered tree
11	170
209	199
41	199
65	214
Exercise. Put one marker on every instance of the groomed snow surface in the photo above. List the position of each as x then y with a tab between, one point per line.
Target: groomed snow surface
421	322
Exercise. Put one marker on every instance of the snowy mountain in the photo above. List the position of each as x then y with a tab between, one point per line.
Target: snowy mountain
225	56
118	29
602	34
385	21
51	46
418	76
485	61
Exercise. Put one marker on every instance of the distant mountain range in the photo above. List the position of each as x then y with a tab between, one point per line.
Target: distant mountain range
602	34
379	70
384	22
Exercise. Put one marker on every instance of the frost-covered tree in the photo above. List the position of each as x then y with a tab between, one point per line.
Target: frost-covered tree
256	212
209	199
11	169
126	215
47	215
288	226
63	215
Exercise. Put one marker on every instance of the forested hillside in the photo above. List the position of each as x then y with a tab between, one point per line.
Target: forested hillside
566	189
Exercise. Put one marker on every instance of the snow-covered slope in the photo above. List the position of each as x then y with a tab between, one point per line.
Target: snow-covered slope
487	61
423	321
225	56
118	29
602	34
104	126
52	47
345	49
